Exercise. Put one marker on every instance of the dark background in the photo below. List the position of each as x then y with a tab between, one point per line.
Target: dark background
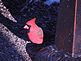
24	10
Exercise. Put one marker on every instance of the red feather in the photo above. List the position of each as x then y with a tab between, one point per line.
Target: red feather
36	33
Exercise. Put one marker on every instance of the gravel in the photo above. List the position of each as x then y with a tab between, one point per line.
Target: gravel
5	12
14	43
12	48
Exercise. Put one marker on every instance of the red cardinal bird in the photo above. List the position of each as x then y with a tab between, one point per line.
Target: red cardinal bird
35	33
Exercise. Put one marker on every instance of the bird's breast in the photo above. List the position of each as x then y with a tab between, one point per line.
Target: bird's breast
36	35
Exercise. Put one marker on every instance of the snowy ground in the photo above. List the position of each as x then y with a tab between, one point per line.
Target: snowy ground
12	48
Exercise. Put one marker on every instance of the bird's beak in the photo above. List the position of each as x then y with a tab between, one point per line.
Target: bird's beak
26	27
